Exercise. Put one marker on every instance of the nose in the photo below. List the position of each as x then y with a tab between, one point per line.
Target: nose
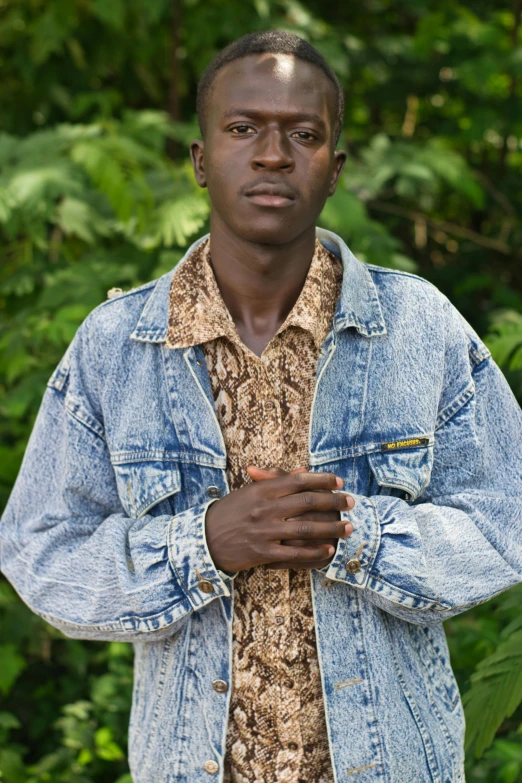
273	152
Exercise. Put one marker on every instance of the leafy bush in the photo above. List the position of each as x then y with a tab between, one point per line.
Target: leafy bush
96	192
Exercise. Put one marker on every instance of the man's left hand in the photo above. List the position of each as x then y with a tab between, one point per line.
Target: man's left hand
260	474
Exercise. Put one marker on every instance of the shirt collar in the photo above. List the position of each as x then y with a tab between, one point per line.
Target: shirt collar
197	312
358	304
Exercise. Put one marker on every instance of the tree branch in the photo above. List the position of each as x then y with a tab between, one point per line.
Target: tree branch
449	228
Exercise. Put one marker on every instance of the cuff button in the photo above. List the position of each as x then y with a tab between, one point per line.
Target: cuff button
353	565
206	587
211	767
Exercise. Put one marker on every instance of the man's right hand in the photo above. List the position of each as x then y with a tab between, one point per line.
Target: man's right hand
245	528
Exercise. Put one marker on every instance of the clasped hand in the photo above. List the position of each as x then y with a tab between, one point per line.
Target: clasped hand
283	520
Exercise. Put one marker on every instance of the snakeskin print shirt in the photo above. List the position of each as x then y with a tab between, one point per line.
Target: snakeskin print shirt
277	728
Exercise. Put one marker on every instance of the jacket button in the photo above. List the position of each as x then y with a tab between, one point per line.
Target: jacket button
213	492
353	565
220	686
211	767
206	587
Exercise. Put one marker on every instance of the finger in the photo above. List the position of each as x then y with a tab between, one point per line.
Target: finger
315	516
262	474
304	502
313	530
299	566
302	542
304	554
294	483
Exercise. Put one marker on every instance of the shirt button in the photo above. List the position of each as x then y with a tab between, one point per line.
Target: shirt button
278	619
220	686
353	565
269	405
293	746
288	683
206	587
213	492
211	767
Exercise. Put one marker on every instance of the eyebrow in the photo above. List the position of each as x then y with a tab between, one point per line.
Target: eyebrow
256	114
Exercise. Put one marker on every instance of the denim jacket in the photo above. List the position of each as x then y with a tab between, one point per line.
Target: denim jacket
104	533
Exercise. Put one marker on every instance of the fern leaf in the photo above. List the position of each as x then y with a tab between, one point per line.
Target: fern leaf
495	693
78	218
505	339
176	221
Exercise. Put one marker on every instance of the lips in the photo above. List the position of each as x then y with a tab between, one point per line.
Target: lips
270	195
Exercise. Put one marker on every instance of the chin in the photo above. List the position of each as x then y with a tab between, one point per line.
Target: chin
272	231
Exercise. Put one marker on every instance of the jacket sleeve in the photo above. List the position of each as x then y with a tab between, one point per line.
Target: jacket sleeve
460	542
71	552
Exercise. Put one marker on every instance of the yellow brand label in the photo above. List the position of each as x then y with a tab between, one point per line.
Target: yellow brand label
410	443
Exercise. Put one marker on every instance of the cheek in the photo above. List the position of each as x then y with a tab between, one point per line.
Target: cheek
319	174
221	164
221	182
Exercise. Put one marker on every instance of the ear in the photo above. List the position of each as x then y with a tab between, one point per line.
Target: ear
196	155
339	161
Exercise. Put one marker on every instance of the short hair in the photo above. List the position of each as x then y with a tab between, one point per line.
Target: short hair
271	42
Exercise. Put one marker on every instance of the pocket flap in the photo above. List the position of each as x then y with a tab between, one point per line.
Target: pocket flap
143	484
408	470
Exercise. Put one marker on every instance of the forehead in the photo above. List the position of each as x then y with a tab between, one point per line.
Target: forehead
273	81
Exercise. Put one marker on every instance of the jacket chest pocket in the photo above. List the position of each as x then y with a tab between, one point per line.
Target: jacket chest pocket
404	474
147	486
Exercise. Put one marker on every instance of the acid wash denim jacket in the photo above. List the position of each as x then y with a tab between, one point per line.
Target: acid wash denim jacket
104	533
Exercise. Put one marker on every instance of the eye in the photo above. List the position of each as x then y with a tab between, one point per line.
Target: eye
241	129
304	135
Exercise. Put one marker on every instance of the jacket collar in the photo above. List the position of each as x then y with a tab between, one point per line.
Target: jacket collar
358	304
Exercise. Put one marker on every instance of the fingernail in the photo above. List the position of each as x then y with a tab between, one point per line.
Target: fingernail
339	482
348	529
331	550
350	502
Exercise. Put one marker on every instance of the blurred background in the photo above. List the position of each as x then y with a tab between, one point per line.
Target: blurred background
97	105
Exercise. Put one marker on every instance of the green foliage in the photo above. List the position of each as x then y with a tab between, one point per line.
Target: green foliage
496	691
505	339
485	647
96	192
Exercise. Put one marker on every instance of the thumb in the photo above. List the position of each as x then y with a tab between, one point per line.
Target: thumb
260	474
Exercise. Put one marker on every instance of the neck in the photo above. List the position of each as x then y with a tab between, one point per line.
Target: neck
259	283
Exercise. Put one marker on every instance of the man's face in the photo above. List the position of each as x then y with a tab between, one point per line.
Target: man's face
268	158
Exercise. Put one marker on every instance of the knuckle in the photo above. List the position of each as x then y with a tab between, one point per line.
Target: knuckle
255	512
258	548
298	479
308	499
303	529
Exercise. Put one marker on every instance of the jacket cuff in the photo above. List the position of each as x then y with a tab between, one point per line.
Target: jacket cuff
190	558
354	557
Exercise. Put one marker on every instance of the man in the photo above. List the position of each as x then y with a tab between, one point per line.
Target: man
275	470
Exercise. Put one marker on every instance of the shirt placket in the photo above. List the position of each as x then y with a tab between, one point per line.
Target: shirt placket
287	702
